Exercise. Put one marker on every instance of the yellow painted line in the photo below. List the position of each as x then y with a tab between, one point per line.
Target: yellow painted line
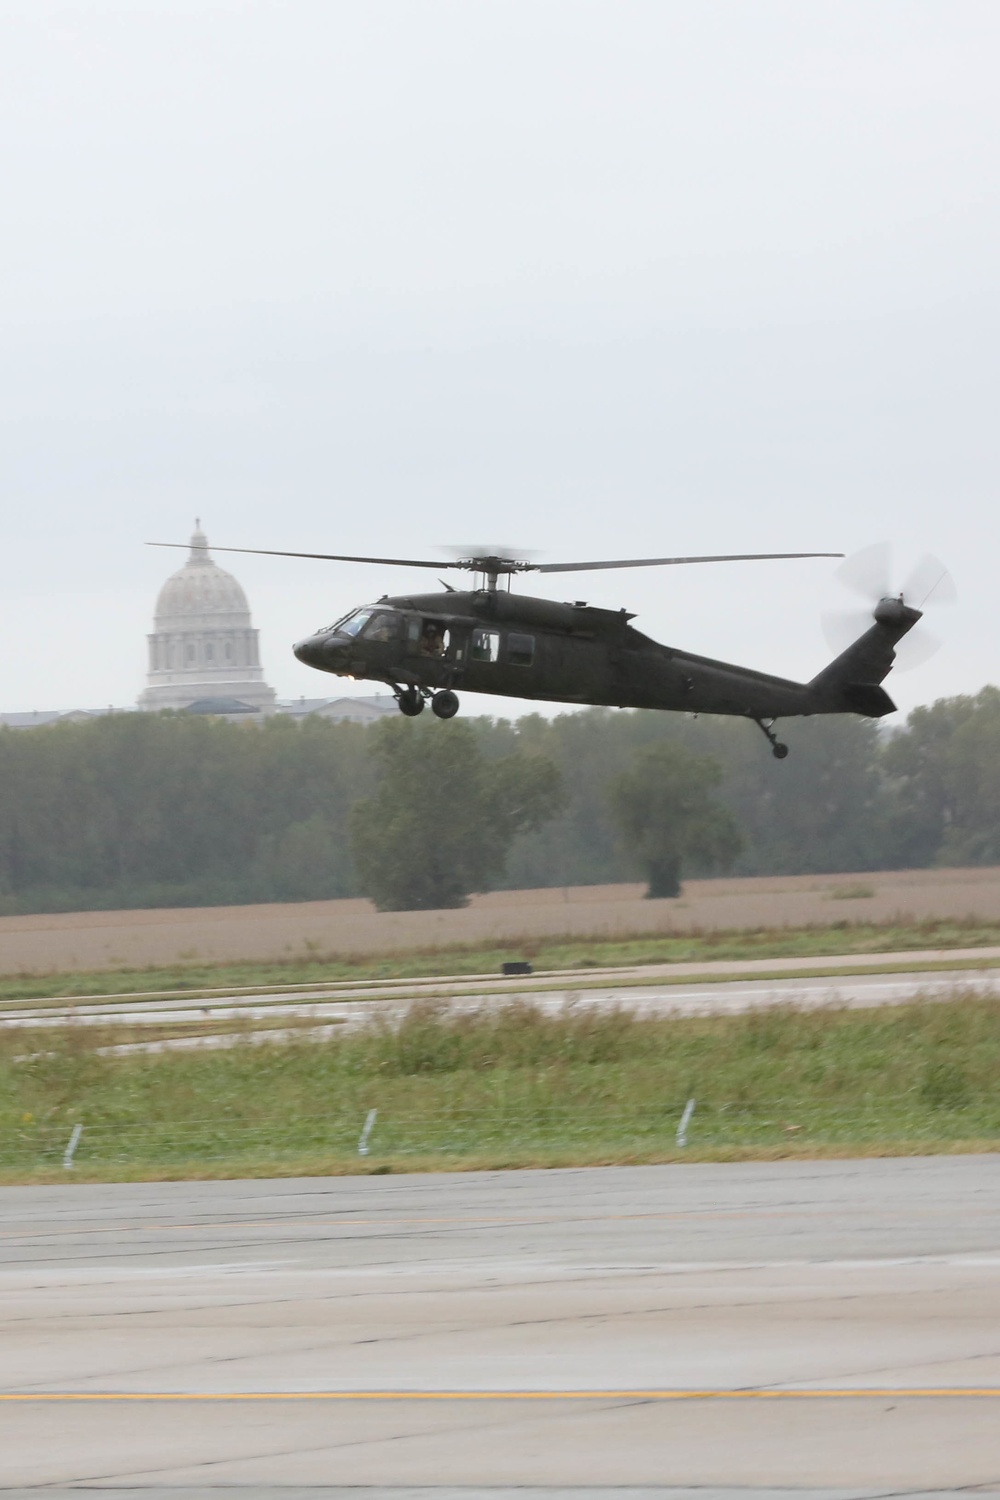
862	1393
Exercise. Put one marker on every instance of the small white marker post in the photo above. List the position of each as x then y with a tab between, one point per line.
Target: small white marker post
682	1129
366	1132
70	1151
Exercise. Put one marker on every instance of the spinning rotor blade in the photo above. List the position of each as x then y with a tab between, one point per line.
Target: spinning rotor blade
869	573
929	582
914	649
842	627
389	562
665	562
478	550
505	562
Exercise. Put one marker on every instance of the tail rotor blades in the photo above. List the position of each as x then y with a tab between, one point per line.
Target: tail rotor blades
869	574
916	648
841	627
929	582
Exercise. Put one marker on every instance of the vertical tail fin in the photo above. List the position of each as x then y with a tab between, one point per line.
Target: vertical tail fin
851	683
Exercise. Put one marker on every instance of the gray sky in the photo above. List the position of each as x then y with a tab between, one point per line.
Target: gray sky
596	277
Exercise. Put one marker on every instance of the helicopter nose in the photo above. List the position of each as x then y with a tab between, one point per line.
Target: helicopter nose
319	651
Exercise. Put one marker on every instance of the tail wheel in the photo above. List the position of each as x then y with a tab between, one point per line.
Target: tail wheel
445	704
778	750
410	702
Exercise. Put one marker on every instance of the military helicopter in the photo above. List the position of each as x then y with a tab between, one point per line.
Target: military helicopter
490	640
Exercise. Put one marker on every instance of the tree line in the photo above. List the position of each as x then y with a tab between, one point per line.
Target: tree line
139	810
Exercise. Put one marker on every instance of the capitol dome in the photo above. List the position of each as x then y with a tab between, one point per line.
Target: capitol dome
201	587
204	646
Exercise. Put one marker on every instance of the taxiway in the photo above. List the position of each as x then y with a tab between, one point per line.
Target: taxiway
809	1327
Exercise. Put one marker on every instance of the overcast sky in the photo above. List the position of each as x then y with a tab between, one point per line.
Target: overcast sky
598	278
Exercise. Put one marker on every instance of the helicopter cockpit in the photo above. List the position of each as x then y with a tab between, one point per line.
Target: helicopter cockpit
373	622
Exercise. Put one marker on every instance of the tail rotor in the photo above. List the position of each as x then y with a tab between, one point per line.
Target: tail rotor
870	574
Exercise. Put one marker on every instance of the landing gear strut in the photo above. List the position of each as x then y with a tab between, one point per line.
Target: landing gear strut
778	750
411	702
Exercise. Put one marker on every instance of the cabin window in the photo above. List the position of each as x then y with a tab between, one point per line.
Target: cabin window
485	645
382	627
520	650
434	638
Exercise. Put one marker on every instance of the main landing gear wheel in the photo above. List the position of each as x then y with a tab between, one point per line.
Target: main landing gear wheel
445	704
411	702
778	750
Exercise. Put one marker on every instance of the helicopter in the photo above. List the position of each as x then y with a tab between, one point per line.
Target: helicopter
489	639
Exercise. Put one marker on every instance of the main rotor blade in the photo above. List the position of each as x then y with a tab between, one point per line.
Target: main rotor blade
507	565
663	562
389	562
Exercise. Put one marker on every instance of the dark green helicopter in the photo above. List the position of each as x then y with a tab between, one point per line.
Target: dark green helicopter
489	640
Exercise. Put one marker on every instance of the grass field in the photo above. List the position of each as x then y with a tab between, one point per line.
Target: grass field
503	922
509	1087
860	938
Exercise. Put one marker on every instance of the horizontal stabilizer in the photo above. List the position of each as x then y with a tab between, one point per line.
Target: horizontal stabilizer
868	699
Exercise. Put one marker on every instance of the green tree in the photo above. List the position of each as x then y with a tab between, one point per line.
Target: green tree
443	814
943	789
973	776
822	809
669	817
176	809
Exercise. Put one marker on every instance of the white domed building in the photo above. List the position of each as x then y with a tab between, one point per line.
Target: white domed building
203	652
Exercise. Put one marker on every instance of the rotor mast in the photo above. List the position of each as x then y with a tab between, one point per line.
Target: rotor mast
492	568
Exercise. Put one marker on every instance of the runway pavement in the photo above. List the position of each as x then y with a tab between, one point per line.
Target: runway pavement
662	990
826	1329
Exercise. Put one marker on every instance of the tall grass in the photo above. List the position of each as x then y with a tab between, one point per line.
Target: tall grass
513	1085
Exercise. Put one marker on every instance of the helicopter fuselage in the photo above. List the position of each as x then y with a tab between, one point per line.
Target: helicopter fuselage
509	645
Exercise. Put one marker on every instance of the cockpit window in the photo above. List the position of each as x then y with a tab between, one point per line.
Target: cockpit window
338	623
355	623
382	627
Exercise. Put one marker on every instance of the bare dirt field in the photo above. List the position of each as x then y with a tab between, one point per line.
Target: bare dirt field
137	939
